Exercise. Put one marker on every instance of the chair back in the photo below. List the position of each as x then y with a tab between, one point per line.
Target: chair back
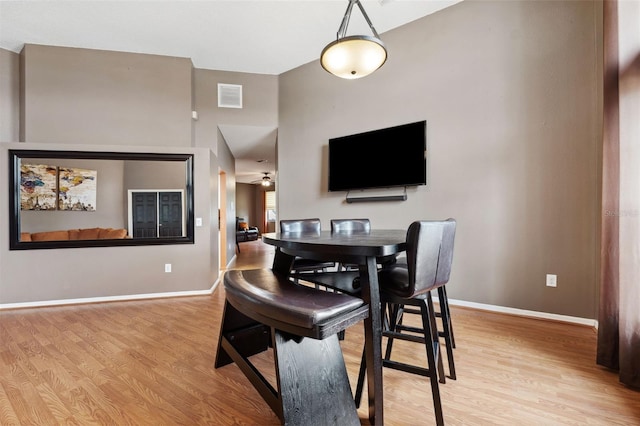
429	254
300	226
446	252
350	225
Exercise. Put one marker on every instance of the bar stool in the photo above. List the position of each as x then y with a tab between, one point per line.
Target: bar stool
397	314
305	226
350	226
429	257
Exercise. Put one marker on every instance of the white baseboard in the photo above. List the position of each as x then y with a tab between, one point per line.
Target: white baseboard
452	302
127	297
523	312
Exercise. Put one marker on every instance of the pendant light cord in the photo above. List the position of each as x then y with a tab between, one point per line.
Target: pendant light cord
342	31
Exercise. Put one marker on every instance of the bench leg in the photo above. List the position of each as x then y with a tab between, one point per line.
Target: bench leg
313	381
249	337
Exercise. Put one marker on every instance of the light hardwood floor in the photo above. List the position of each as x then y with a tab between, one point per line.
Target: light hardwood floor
151	363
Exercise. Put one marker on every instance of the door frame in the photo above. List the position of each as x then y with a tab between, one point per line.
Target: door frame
222	220
158	191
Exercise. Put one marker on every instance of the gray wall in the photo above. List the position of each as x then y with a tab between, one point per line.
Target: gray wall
259	109
246	203
101	97
9	96
108	101
259	101
154	175
511	92
41	275
124	102
226	164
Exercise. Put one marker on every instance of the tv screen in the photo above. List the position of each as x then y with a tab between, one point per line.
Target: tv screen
382	158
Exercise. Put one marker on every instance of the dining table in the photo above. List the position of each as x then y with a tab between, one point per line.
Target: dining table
363	249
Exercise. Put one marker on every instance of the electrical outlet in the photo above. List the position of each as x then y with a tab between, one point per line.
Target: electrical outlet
167	267
552	280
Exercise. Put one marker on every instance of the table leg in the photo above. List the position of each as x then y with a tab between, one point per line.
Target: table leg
373	339
282	262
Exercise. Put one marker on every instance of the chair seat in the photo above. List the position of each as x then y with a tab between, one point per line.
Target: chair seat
307	265
395	281
343	281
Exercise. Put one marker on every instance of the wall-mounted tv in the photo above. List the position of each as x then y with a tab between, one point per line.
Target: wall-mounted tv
390	157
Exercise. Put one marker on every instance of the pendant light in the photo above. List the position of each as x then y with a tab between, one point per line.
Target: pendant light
356	56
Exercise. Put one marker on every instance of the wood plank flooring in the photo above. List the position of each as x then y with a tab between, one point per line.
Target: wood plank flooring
151	363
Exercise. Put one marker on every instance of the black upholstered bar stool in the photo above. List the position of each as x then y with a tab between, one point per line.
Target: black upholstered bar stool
305	226
429	258
399	310
350	226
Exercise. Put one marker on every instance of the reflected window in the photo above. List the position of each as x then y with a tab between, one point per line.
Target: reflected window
270	209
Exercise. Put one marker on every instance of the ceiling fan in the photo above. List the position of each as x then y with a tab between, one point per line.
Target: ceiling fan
265	180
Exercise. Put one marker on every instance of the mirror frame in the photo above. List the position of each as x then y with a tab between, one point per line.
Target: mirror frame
15	155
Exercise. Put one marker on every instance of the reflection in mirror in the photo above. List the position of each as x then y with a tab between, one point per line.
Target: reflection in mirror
64	199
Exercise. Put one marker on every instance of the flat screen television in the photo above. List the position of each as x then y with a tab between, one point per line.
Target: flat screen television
384	158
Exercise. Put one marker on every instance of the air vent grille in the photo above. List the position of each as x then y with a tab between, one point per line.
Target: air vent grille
229	95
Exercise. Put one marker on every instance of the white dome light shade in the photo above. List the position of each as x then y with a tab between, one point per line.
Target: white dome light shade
354	56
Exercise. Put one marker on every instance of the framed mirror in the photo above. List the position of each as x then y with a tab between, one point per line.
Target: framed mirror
70	199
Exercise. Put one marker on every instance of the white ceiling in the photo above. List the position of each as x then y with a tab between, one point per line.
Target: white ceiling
260	36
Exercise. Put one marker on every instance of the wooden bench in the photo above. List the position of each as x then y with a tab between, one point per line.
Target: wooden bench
263	309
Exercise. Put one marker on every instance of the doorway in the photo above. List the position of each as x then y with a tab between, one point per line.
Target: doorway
222	219
156	213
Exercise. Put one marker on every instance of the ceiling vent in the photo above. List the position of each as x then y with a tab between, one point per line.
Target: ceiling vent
229	95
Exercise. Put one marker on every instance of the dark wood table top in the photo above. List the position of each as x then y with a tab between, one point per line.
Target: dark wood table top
377	242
